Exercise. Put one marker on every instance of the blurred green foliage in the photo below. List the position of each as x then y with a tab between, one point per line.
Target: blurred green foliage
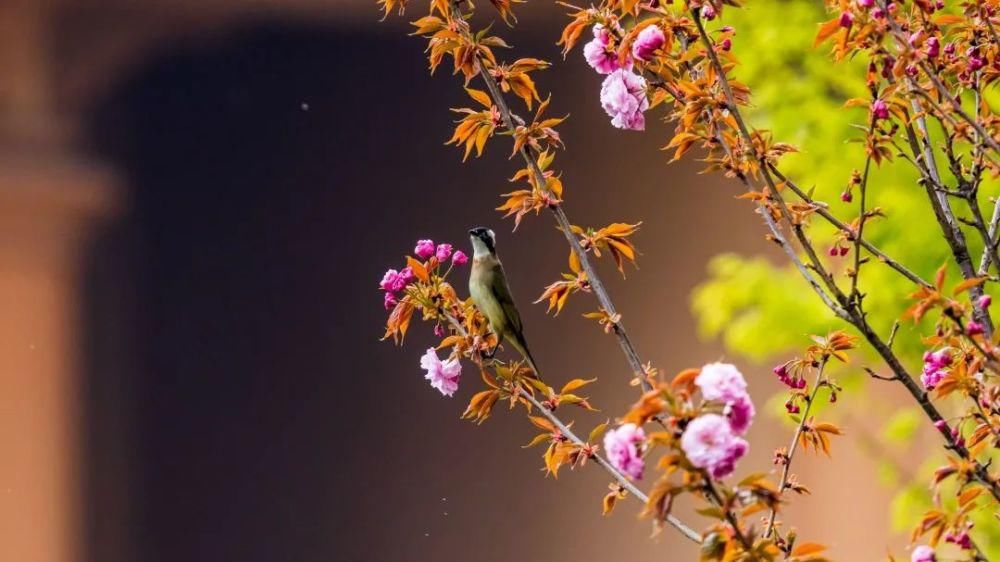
761	308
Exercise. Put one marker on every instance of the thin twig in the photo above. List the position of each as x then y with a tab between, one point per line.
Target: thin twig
564	429
783	483
857	319
843	227
531	160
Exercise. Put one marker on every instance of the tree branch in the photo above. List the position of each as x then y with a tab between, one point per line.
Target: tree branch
783	483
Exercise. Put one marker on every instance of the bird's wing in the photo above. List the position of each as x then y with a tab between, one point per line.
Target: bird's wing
502	293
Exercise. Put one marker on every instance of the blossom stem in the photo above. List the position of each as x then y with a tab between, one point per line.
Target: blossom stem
785	472
531	160
564	429
622	480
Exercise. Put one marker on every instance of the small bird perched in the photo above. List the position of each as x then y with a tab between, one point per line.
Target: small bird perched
491	294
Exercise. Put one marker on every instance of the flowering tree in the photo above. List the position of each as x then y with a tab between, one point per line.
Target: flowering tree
927	73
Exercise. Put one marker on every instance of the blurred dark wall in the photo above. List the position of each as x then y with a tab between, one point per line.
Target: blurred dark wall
239	405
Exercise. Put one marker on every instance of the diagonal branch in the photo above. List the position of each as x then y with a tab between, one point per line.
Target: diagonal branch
857	317
510	121
564	429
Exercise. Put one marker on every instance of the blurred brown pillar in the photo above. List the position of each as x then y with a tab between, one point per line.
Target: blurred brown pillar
47	210
49	203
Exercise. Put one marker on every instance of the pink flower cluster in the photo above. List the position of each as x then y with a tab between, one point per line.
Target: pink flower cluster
622	447
599	53
623	96
709	443
713	441
623	93
935	368
393	282
723	382
923	553
443	375
649	40
425	249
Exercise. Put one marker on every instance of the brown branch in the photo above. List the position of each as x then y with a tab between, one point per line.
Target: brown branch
564	429
857	318
843	227
783	483
530	157
622	480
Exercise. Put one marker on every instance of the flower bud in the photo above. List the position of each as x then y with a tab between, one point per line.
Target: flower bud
846	19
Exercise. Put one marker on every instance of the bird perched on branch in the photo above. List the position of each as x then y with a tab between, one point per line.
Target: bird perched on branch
491	294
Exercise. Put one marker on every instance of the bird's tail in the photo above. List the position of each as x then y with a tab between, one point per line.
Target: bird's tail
522	346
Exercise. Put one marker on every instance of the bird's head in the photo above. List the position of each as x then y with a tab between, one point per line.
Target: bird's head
483	241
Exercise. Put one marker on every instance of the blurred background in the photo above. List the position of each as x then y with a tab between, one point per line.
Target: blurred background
197	201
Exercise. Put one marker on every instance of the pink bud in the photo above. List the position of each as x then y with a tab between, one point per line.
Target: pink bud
424	249
975	63
708	12
985	301
880	110
878	14
833	251
390	301
866	3
459	258
949	49
780	370
726	44
439	330
846	19
933	47
941	425
843	250
974	328
846	196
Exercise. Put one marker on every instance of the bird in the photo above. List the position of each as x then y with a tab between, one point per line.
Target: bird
492	296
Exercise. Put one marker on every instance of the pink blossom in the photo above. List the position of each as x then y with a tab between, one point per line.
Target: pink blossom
598	55
623	96
443	375
391	281
726	44
424	249
459	258
866	3
722	382
443	252
933	47
650	39
406	277
935	365
740	414
880	110
622	447
984	302
846	19
961	540
923	553
709	443
390	301
708	11
974	328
